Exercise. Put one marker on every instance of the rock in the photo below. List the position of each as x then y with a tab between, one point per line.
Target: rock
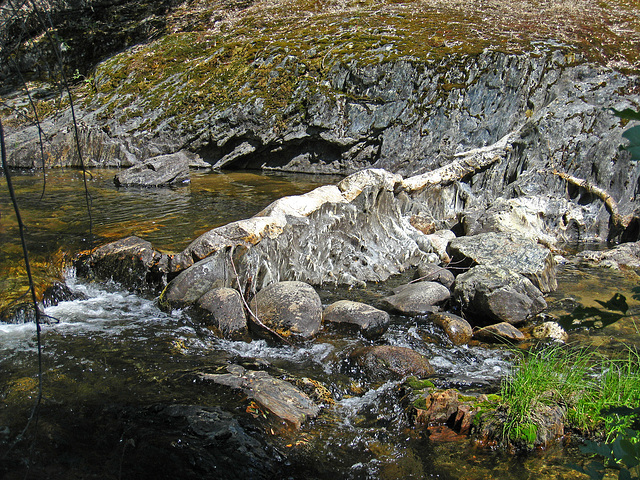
384	362
500	332
439	242
290	308
290	405
191	284
550	330
435	273
22	312
59	292
457	328
417	298
511	252
492	294
439	407
226	311
160	171
130	261
365	318
626	254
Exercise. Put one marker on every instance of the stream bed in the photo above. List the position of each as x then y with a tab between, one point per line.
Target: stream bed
110	356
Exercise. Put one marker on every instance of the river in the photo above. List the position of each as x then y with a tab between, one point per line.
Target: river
110	350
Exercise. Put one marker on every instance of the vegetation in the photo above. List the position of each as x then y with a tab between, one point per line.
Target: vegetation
584	385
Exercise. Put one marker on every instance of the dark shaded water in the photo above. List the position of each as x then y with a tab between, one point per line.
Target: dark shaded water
113	350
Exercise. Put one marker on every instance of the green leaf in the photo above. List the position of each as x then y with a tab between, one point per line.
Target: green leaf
627	113
633	135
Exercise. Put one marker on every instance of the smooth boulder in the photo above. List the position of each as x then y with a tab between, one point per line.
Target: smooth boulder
388	362
289	308
417	298
370	321
432	272
500	332
457	328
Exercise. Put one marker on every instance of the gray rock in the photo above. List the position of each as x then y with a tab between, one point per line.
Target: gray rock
226	311
291	406
626	254
417	298
512	252
457	328
550	330
493	294
385	362
499	332
131	261
435	273
365	318
160	171
290	308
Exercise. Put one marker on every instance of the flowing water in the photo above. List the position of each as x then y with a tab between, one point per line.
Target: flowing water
110	348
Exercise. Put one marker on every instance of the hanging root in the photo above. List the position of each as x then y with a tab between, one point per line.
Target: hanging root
617	223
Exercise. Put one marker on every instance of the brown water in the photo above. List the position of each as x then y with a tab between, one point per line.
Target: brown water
114	348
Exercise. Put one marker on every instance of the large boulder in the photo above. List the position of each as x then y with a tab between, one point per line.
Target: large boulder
417	298
492	295
386	362
512	252
359	316
289	308
160	171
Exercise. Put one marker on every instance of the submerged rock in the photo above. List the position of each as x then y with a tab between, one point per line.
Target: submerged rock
289	308
417	298
493	294
385	362
160	171
509	251
360	316
290	405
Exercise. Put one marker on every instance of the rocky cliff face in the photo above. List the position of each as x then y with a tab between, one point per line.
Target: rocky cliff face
332	95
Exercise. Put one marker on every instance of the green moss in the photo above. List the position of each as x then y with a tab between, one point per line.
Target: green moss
416	384
420	403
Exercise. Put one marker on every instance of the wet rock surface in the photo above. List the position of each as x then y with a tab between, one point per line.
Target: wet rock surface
385	362
289	405
500	332
225	311
457	328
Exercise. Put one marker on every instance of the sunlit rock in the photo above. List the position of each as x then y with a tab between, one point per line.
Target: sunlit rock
357	316
160	171
489	295
289	308
500	332
509	251
432	272
417	298
457	328
550	330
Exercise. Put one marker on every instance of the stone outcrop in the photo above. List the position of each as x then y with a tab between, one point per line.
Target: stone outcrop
160	171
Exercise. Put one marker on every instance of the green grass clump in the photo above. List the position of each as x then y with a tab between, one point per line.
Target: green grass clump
580	382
